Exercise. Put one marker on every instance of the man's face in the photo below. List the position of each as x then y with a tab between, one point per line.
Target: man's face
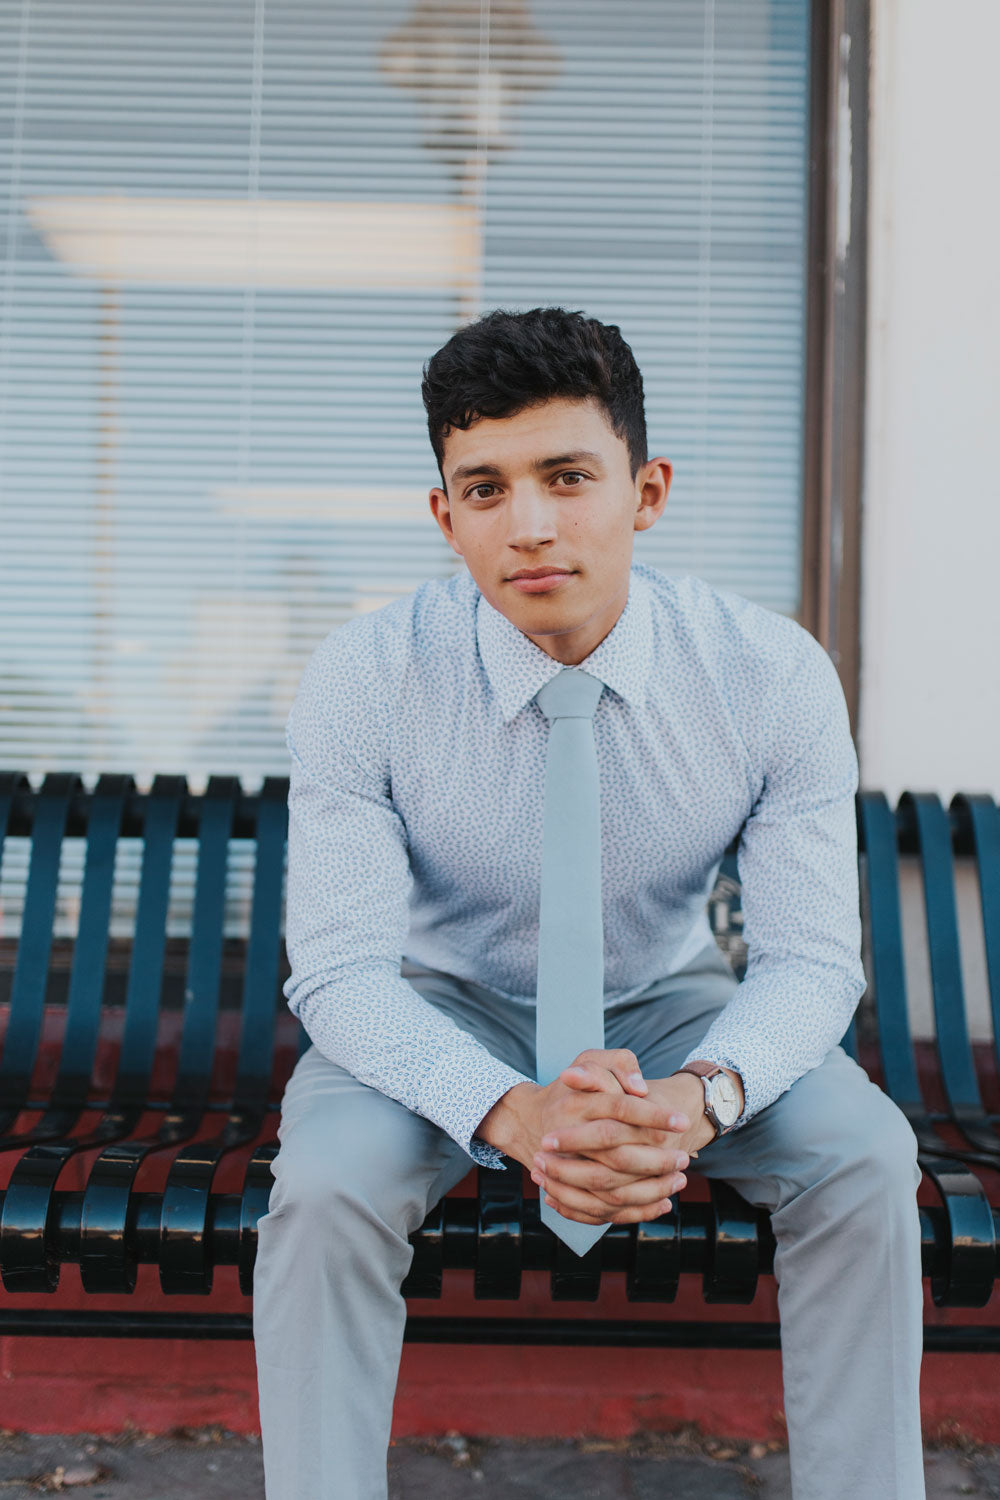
549	489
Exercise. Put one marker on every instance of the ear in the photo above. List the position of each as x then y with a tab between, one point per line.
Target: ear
441	511
652	484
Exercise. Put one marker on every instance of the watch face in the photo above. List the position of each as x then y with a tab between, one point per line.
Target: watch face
725	1099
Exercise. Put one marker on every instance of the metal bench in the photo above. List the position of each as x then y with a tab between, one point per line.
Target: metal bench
72	982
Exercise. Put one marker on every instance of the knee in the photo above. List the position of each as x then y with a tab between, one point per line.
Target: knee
835	1127
870	1155
881	1147
327	1186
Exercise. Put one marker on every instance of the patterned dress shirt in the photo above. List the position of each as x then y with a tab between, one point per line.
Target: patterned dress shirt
415	821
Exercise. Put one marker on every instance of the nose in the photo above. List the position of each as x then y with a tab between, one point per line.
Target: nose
531	518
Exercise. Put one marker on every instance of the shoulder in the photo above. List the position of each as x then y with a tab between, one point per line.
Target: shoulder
740	640
359	669
380	641
780	688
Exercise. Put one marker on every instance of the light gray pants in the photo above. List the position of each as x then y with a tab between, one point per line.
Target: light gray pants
833	1160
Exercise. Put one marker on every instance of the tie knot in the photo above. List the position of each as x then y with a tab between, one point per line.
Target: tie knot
571	694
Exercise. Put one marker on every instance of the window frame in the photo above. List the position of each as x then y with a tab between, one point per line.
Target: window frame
836	295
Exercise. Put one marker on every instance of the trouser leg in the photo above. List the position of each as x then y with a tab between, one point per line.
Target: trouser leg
356	1173
834	1161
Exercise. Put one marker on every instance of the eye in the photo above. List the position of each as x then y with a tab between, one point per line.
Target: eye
474	492
569	474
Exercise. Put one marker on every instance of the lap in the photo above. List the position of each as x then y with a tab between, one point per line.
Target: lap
338	1134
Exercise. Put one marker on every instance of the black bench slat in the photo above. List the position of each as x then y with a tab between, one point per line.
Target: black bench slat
86	985
499	1232
933	837
201	993
31	972
574	1278
981	816
161	816
260	980
965	1269
877	832
184	1261
735	1251
108	1260
654	1274
14	786
614	1333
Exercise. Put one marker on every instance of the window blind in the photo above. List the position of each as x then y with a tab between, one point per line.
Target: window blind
230	235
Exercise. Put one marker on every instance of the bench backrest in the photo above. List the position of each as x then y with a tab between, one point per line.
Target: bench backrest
206	989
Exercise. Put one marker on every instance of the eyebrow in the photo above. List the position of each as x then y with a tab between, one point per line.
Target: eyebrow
493	471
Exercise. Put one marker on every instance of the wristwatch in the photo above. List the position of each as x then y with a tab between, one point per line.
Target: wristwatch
722	1102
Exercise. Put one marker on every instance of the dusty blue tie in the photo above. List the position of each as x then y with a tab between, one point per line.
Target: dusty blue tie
570	993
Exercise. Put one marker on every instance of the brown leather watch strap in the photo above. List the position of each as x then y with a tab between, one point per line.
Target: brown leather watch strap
701	1069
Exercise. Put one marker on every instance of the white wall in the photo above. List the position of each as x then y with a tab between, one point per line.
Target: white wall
929	717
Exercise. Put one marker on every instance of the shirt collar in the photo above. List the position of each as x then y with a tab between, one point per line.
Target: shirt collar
517	668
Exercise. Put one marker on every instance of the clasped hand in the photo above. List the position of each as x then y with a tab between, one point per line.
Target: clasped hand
614	1146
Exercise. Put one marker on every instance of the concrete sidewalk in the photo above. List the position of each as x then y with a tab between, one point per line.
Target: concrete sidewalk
210	1464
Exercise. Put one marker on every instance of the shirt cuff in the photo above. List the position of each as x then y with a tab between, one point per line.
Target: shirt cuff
458	1093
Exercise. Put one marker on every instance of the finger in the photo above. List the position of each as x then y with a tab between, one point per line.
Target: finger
633	1155
630	1163
639	1193
600	1116
581	1172
621	1062
644	1215
588	1137
590	1077
641	1214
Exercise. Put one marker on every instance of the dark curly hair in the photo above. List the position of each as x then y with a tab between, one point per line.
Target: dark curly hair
507	361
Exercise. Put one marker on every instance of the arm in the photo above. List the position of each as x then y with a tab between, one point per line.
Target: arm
347	916
798	870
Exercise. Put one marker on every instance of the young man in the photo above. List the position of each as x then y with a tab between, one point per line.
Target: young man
418	752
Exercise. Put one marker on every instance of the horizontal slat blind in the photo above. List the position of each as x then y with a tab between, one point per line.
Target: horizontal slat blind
231	234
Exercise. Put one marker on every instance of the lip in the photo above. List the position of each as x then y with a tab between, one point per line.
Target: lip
540	581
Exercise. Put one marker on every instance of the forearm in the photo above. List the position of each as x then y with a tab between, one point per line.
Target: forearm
780	1022
374	1024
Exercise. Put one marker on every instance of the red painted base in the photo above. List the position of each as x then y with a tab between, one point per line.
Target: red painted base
116	1385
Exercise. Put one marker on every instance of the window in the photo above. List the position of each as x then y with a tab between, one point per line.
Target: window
231	235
